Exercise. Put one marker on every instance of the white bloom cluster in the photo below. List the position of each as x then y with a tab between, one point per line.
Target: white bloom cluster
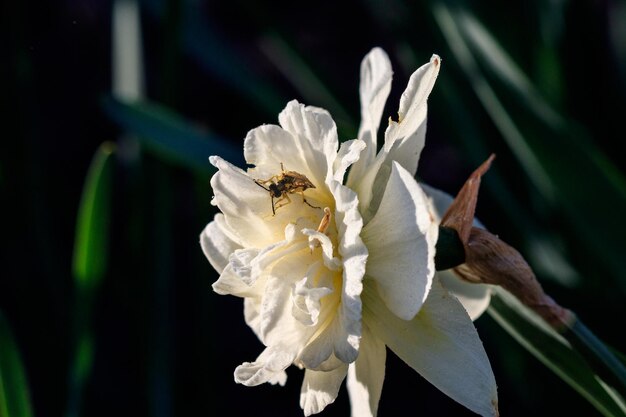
333	267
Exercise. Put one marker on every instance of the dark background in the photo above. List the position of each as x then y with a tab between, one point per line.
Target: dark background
164	343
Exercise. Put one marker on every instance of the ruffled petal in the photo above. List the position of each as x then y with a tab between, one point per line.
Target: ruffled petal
374	89
231	283
442	344
328	349
366	376
320	389
354	254
340	338
246	206
316	138
349	153
404	139
269	367
277	323
474	297
289	265
401	240
218	242
307	303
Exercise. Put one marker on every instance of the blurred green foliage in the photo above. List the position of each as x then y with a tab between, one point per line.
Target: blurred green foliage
541	84
14	395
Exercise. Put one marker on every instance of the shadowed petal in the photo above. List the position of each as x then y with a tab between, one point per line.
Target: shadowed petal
474	297
441	343
218	242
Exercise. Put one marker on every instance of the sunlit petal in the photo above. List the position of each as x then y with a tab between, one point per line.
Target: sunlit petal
366	376
401	238
441	343
374	89
320	389
404	139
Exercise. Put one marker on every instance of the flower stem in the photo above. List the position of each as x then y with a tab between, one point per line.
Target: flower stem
452	254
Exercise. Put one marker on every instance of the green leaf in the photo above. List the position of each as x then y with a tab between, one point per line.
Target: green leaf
170	137
14	395
90	262
555	352
91	244
603	360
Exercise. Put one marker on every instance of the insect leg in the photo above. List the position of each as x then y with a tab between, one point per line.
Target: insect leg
304	200
270	180
282	199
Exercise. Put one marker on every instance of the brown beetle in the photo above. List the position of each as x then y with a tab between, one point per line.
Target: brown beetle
281	185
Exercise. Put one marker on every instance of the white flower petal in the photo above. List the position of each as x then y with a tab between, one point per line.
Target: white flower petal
316	138
341	336
404	139
320	389
245	205
328	349
231	283
269	367
374	89
474	297
306	300
441	343
439	200
366	376
269	146
218	242
354	254
241	263
349	153
277	322
401	240
252	314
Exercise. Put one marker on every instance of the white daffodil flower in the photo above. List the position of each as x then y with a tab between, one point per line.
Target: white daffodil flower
332	272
